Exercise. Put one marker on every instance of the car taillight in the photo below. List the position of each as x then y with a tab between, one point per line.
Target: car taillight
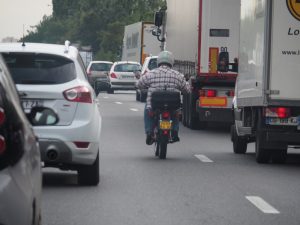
165	115
280	112
113	75
211	93
78	94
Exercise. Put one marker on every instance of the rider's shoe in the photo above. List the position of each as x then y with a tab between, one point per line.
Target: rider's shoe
175	137
149	139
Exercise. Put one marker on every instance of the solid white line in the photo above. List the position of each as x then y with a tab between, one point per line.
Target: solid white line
203	158
262	205
133	109
119	103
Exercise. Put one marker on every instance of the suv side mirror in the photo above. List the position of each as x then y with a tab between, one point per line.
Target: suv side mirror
42	116
158	18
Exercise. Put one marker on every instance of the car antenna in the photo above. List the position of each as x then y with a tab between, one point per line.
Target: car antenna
23	44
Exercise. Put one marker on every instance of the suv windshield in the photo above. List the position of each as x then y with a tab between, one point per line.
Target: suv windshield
101	66
40	68
127	67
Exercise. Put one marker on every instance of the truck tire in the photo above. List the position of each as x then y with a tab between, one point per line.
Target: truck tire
184	110
193	116
137	96
279	156
110	91
239	143
143	96
262	154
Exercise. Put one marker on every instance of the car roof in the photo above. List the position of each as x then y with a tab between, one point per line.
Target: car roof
53	49
125	62
109	62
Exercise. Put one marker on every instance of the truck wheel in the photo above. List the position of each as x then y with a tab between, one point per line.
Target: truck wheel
239	143
279	156
137	96
143	97
89	175
193	116
262	154
110	91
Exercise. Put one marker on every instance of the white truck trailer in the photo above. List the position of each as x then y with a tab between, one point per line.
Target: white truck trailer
139	43
203	36
267	105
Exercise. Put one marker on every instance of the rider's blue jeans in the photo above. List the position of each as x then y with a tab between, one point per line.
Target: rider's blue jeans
149	121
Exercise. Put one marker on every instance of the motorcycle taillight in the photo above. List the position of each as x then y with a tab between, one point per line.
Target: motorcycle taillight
166	115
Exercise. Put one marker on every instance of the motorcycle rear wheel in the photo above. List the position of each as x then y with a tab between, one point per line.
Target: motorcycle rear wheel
163	143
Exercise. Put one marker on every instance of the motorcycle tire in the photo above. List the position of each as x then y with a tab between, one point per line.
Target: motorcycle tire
163	143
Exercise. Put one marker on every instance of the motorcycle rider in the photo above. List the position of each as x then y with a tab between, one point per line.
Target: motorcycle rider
161	78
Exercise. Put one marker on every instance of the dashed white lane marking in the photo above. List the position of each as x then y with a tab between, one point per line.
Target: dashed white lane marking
262	205
133	109
203	158
119	103
105	96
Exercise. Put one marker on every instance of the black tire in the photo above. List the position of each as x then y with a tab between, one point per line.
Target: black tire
163	143
143	96
279	156
156	149
239	143
89	175
110	91
137	96
193	116
262	154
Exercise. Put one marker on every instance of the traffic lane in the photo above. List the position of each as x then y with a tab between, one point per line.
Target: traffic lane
137	188
218	147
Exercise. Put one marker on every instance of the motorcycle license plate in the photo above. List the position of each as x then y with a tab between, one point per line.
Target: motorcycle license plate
165	125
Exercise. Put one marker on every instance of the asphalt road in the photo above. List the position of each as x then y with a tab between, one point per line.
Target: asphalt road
200	183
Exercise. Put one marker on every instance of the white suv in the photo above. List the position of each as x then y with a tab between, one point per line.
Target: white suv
54	76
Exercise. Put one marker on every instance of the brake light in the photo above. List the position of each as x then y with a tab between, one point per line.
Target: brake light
280	112
230	93
78	94
211	93
113	75
81	144
165	132
2	145
165	115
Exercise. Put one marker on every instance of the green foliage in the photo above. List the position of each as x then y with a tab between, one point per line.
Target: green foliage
99	23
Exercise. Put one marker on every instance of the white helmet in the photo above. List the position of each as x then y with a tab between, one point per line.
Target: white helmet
165	57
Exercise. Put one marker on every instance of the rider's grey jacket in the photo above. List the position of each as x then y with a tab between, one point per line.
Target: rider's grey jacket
162	78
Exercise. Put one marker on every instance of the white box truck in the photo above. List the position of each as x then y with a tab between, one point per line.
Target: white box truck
267	104
203	36
138	42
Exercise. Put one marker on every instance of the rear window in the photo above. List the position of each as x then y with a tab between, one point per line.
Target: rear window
127	67
101	66
39	68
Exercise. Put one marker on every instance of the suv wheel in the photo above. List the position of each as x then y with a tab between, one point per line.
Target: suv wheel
89	175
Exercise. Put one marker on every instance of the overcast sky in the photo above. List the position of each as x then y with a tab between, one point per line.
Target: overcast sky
16	13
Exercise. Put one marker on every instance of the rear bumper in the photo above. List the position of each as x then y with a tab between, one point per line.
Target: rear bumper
282	137
215	114
123	85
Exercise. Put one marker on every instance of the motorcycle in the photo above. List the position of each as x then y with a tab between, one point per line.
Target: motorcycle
164	104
